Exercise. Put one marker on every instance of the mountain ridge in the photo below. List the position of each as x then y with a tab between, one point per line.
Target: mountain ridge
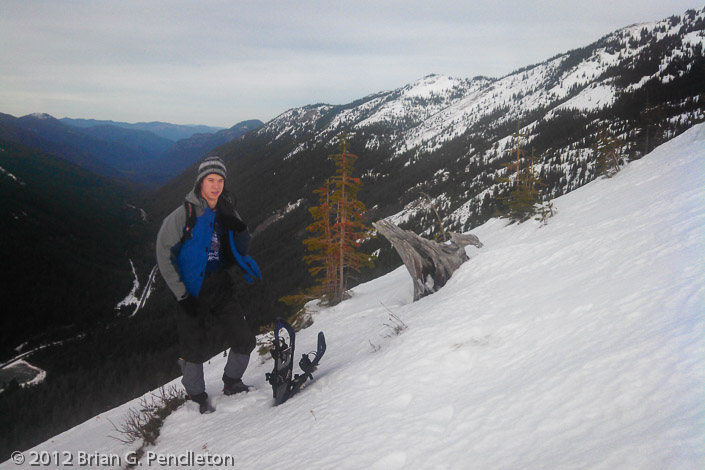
125	153
172	132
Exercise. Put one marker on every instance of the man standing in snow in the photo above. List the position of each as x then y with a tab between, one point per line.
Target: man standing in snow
199	246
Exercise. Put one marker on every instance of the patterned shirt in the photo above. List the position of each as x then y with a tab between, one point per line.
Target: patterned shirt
214	253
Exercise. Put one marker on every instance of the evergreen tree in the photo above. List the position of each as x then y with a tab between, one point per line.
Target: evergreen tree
516	166
338	231
607	151
524	199
348	230
321	246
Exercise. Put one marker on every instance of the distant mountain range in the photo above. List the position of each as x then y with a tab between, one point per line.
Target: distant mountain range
187	151
165	130
128	152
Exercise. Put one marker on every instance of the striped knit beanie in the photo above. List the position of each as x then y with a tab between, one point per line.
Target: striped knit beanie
211	165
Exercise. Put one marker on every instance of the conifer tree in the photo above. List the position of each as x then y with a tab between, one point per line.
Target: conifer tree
321	246
338	231
322	253
607	151
524	199
515	166
348	230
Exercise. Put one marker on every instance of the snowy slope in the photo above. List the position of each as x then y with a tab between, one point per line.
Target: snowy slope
574	345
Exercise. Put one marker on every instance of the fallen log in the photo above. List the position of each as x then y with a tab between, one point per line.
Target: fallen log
429	263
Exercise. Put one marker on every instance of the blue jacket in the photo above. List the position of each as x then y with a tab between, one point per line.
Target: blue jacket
183	265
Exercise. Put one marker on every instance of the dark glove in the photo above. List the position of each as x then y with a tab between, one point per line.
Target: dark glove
189	304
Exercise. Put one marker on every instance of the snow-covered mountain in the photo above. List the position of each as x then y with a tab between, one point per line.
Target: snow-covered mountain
449	137
572	345
437	109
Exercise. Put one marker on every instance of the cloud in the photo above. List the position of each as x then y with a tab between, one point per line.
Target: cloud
220	61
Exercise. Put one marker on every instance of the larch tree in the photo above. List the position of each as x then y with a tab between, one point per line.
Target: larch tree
338	230
322	250
349	230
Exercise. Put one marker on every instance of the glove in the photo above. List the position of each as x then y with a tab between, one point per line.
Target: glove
189	304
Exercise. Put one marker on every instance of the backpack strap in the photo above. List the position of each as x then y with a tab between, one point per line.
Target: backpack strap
190	221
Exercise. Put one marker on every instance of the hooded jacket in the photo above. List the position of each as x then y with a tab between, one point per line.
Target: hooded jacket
183	265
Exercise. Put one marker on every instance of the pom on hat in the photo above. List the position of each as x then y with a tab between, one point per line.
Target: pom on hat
211	165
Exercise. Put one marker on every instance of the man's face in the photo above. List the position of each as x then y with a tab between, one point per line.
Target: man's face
212	188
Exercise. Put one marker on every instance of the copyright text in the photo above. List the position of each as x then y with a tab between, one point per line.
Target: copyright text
97	459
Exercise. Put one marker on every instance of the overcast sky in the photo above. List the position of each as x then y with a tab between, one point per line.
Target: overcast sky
221	62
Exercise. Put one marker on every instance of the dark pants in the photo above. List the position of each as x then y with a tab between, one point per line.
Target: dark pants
217	304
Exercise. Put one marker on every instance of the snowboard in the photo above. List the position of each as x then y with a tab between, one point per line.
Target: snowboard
282	379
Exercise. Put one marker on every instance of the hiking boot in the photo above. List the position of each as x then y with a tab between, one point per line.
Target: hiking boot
202	399
233	386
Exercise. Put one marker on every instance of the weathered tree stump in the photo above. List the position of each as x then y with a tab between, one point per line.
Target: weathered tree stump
429	263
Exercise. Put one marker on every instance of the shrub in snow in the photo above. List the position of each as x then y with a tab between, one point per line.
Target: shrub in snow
145	422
